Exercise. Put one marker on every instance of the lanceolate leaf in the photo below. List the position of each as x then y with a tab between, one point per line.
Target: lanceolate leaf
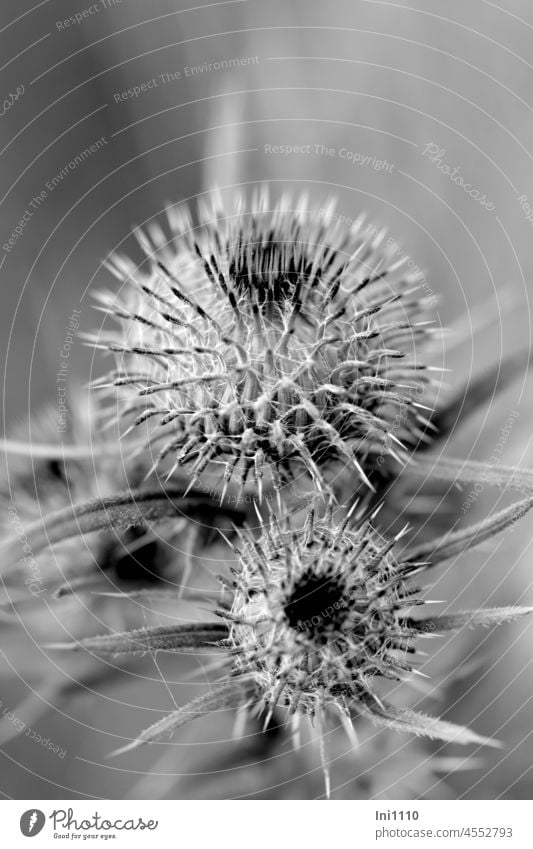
489	616
452	471
172	638
410	721
232	692
56	450
149	596
453	543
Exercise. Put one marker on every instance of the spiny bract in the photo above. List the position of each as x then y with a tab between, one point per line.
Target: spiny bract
270	340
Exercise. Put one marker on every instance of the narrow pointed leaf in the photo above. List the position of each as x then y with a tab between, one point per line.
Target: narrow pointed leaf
453	621
166	638
455	542
229	693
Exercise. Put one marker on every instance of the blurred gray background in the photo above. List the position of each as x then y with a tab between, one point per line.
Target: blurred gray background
431	93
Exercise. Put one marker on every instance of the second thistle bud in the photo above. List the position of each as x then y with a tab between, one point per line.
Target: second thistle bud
317	616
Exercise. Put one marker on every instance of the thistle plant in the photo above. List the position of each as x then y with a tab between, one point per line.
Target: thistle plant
271	343
268	351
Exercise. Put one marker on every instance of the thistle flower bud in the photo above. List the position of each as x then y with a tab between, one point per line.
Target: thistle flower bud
271	341
320	617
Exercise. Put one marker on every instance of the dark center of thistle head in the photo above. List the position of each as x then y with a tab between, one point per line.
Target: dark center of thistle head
264	273
316	605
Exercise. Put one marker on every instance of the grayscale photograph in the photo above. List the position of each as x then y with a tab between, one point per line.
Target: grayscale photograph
266	480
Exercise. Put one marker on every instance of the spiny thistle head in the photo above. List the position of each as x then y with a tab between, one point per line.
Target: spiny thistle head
322	615
270	341
319	615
